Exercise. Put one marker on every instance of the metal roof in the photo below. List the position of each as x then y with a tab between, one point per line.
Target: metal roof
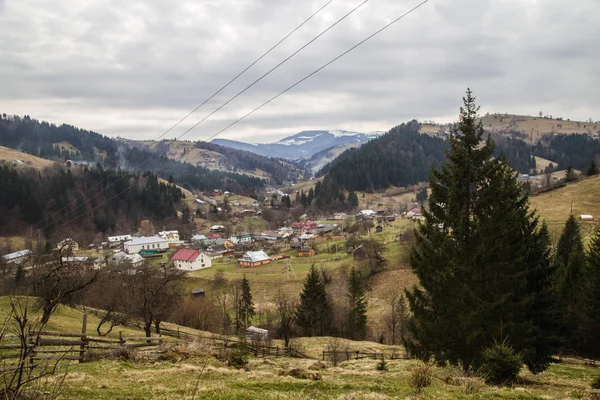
17	254
146	240
256	256
186	255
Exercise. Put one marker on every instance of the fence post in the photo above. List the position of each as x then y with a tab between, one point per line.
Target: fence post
83	336
121	341
323	356
277	352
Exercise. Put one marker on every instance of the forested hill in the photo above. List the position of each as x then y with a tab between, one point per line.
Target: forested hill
401	157
66	142
82	202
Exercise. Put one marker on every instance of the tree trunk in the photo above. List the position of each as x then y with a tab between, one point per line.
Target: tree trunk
148	328
157	326
48	308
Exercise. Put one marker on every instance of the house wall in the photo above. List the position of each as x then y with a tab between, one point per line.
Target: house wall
135	248
203	261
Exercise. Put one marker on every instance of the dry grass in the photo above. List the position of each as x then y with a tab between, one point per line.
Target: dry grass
581	197
8	155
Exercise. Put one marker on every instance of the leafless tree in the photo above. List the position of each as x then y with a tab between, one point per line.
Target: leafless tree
396	315
286	312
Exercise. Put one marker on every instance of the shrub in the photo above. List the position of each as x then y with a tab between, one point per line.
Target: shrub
501	364
239	356
596	383
382	365
420	377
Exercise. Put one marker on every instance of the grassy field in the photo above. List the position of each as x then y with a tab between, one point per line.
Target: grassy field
8	155
579	198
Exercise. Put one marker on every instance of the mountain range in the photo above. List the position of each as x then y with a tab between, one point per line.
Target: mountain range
302	145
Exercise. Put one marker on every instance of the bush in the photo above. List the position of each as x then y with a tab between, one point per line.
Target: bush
420	377
382	365
501	364
596	383
239	356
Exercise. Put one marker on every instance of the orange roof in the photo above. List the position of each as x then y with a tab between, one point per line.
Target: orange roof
186	255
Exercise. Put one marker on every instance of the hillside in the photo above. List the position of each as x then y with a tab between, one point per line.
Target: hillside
12	157
531	129
65	142
220	158
581	197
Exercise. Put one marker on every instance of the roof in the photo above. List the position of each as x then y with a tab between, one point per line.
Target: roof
199	237
186	255
119	238
255	256
146	240
197	291
17	254
257	330
586	216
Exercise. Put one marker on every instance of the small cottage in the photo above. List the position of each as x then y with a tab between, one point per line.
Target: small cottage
191	260
254	259
306	252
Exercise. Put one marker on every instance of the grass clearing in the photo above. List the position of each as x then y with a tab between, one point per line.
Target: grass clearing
9	155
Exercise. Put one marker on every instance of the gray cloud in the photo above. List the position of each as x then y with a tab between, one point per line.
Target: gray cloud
134	68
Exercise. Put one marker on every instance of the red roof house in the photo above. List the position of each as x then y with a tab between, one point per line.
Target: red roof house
191	260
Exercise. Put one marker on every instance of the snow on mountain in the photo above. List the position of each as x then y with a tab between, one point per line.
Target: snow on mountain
304	144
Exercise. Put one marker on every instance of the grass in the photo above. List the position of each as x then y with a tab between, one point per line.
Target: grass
8	155
581	197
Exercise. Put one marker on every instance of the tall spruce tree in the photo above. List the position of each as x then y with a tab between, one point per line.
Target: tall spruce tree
314	310
477	256
246	306
571	281
357	310
592	306
593	169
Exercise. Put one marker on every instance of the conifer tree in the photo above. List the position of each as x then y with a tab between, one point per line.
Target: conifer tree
592	307
593	169
314	310
246	306
569	242
357	313
477	256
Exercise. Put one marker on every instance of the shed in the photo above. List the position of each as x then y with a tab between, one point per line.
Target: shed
199	292
306	252
586	217
254	333
360	253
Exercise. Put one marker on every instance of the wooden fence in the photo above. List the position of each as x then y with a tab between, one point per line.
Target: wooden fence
361	355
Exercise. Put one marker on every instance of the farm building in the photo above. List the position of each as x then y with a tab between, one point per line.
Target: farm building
18	257
256	334
191	260
171	236
254	259
197	293
306	252
152	243
119	239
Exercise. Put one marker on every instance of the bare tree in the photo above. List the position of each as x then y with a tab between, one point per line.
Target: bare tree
153	292
63	280
286	312
108	295
396	315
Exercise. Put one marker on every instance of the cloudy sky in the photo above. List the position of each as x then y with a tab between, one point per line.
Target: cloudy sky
133	68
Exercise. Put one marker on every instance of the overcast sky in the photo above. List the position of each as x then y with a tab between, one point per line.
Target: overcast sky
133	68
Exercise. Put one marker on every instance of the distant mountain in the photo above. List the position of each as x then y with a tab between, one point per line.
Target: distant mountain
302	145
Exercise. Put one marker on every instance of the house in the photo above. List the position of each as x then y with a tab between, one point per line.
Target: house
198	238
171	236
77	260
285	231
379	229
217	228
340	216
133	260
306	252
254	259
241	238
297	226
366	213
295	245
245	213
255	204
213	236
306	237
118	239
256	334
152	243
270	235
311	225
18	257
67	245
197	293
326	229
360	253
191	260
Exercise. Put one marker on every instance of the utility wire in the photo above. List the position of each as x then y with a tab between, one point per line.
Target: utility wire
284	91
198	107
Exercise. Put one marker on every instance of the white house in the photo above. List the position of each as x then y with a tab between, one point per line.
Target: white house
18	257
191	260
135	245
135	260
171	236
241	238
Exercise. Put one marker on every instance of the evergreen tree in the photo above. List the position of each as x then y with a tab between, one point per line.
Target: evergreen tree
314	310
352	200
593	169
246	306
570	174
473	257
569	242
591	343
357	313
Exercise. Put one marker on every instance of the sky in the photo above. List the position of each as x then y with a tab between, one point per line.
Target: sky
134	68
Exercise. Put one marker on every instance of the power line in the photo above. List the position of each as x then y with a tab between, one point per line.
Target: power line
287	89
317	70
202	104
